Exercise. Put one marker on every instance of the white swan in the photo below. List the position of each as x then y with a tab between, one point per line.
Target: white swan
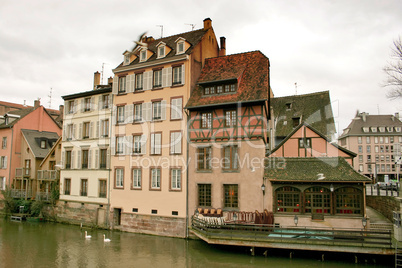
106	239
87	236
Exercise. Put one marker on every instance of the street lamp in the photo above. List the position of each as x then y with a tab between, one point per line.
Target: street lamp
296	220
364	222
263	188
331	187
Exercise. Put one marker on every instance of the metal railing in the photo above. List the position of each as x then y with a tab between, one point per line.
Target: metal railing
387	190
299	235
43	196
22	172
18	193
47	175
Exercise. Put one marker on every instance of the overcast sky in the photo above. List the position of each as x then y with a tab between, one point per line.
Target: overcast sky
340	46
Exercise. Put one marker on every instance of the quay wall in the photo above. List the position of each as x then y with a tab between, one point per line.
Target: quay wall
384	204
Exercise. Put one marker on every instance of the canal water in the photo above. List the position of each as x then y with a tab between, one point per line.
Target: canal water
25	244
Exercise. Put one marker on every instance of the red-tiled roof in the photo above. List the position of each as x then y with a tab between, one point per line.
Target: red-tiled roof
250	69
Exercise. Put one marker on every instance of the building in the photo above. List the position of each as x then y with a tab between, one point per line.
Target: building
85	173
376	139
227	133
11	125
149	159
312	180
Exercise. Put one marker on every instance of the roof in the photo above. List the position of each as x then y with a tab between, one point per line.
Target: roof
53	149
192	37
250	70
13	105
34	139
87	93
21	113
365	120
314	109
310	169
319	134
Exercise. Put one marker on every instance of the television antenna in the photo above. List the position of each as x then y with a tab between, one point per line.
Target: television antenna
50	98
192	26
161	29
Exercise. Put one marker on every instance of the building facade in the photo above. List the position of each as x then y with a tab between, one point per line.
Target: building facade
149	155
85	173
376	139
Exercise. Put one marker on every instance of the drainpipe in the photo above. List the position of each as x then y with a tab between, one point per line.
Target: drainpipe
11	156
110	166
187	150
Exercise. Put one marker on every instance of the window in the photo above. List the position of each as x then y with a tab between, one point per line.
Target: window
360	158
175	179
374	129
156	141
137	144
230	118
85	130
375	139
317	200
68	160
138	112
175	142
177	75
296	121
305	143
155	178
120	114
3	162
85	159
176	108
386	140
136	183
84	187
376	149
368	148
161	51
360	149
204	158
70	132
157	78
104	128
227	88
369	158
348	200
126	59
230	158
139	81
204	195
4	143
119	178
87	104
67	186
360	168
231	195
102	188
219	89
206	120
382	129
288	106
381	139
2	183
381	148
359	140
180	47
122	84
70	107
157	110
105	102
103	158
369	168
143	55
120	145
367	140
366	129
287	199
43	144
391	139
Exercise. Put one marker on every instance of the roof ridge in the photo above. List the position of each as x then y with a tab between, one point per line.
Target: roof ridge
236	54
303	95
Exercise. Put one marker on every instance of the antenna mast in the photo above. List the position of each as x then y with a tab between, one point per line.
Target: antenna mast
50	98
192	26
161	29
296	88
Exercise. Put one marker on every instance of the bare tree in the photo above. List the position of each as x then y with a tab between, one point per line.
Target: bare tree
394	71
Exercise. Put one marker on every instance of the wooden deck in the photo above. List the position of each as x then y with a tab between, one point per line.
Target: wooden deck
296	238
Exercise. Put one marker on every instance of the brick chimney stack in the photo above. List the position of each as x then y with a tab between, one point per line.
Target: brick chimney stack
222	50
110	81
96	79
207	23
61	109
36	103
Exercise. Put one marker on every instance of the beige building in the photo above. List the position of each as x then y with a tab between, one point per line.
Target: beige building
149	155
376	139
84	178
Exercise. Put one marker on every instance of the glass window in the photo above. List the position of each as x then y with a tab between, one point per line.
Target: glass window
175	179
87	104
122	84
361	158
317	200
136	183
161	51
157	110
367	139
103	158
287	199
102	188
137	144
137	112
85	160
68	160
105	101
175	142
360	148
304	142
158	78
204	158
139	81
119	178
230	158
348	200
70	107
155	178
67	186
231	195
120	145
84	187
206	120
4	143
120	114
143	55
359	140
230	118
156	141
177	79
104	128
204	195
368	148
180	47
85	130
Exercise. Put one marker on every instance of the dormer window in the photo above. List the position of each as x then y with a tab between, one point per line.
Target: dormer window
161	50
288	106
397	129
43	144
219	89
180	46
373	129
390	129
366	129
126	59
382	129
296	121
143	55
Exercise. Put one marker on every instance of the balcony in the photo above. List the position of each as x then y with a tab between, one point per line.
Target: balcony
21	194
22	173
49	175
43	196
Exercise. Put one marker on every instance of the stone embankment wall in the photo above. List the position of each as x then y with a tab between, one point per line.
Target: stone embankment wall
384	204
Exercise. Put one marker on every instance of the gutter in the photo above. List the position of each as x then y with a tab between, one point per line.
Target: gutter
147	64
223	104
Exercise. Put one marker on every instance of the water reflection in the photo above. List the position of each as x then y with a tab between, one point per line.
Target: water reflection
56	245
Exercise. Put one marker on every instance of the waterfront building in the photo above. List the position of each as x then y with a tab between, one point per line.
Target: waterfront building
228	114
85	172
12	156
149	155
376	139
312	179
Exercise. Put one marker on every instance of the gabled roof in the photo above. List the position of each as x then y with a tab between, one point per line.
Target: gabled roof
361	120
88	93
310	169
193	38
34	138
318	133
51	151
314	109
249	70
21	113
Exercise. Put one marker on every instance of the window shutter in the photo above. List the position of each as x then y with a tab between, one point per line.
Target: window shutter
172	142
75	106
178	143
158	140
179	108
115	86
147	80
72	159
183	73
163	110
143	144
89	158
79	160
91	127
108	159
97	129
130	83
169	77
152	144
80	132
110	101
5	162
63	159
114	115
82	105
73	137
130	113
129	144
97	159
92	108
164	77
100	103
64	133
147	111
113	145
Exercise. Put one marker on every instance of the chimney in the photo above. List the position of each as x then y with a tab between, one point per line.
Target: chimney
61	109
364	116
222	50
36	103
207	23
397	115
110	81
96	79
